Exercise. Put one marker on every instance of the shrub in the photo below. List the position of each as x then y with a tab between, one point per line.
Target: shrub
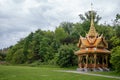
66	57
115	58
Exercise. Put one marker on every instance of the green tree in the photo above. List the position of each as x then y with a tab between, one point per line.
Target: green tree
117	30
117	19
18	57
117	25
66	56
86	18
27	44
67	26
11	51
76	32
1	57
115	41
115	58
60	34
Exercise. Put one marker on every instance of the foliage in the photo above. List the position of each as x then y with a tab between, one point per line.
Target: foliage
3	53
117	29
2	56
18	57
115	42
115	58
117	19
67	26
60	34
117	25
87	17
66	56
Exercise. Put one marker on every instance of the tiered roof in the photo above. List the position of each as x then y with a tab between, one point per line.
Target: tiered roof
92	43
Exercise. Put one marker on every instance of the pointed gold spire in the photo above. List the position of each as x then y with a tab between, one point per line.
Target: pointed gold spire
92	30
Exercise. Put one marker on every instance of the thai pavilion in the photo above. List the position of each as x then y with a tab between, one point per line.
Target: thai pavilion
93	54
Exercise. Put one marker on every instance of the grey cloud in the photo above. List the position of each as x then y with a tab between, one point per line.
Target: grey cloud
18	1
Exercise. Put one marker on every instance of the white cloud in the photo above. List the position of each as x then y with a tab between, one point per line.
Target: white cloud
19	17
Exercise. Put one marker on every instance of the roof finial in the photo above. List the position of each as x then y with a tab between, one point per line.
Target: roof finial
91	6
92	23
91	14
92	31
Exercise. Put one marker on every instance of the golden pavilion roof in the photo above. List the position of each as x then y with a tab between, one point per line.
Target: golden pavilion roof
92	43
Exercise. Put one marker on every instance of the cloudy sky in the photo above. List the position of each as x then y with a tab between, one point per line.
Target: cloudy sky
20	17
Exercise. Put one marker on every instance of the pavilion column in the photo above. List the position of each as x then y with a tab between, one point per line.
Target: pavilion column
86	61
95	57
103	61
106	59
91	59
80	61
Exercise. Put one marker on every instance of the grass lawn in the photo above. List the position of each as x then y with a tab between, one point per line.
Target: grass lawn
41	73
111	73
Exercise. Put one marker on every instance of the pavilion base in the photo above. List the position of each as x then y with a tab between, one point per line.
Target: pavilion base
93	69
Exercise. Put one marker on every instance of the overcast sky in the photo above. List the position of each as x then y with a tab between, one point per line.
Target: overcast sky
20	17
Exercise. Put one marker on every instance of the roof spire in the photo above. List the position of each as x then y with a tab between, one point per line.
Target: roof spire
92	30
91	14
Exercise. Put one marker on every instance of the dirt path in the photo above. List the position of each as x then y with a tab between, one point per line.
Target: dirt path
92	74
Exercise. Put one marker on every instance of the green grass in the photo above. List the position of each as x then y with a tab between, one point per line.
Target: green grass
110	73
41	73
